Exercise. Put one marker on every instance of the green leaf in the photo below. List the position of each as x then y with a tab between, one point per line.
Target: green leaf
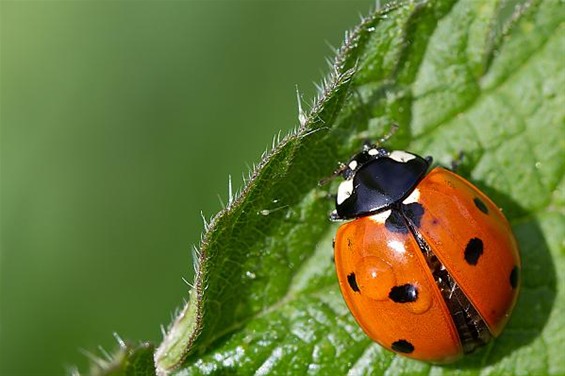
481	77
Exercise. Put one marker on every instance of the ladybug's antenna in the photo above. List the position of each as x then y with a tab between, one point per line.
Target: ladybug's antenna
367	144
342	168
393	129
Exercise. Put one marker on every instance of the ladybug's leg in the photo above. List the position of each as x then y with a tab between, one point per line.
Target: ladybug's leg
334	217
457	162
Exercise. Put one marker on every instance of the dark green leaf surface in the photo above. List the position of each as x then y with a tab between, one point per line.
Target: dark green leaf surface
482	77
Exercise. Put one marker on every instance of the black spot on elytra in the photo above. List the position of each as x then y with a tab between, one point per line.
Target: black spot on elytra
473	251
402	346
352	282
395	223
514	277
414	213
403	294
480	205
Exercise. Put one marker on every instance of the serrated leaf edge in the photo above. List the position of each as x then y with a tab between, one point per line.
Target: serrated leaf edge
184	330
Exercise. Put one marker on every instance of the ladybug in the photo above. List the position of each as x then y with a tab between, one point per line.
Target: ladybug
427	264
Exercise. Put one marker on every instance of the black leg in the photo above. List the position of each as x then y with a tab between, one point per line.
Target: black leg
456	163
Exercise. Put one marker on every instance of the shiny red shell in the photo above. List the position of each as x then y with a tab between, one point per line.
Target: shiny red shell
386	274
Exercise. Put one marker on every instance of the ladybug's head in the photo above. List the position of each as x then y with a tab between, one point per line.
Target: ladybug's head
376	179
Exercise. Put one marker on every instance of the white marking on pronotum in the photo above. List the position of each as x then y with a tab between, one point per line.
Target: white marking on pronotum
401	156
373	152
414	197
397	246
344	191
380	217
353	165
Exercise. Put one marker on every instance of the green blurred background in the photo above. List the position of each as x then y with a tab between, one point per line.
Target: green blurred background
120	122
